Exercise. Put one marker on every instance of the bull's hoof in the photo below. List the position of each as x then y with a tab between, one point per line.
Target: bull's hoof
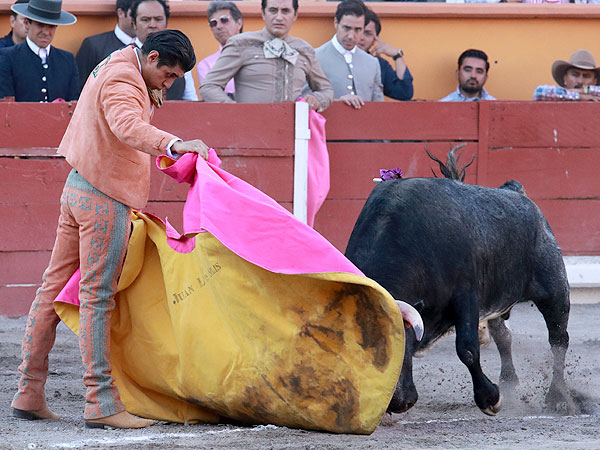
495	409
559	399
398	407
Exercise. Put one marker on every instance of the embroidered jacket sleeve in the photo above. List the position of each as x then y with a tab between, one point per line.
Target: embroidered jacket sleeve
123	105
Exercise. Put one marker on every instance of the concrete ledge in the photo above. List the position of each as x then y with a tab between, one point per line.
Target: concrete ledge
583	273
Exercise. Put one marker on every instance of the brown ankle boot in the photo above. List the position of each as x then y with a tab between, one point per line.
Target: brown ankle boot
39	414
119	420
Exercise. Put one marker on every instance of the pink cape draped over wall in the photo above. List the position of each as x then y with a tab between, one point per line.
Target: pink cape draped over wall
318	166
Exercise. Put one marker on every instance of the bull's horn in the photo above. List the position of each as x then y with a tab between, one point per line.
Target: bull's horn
412	316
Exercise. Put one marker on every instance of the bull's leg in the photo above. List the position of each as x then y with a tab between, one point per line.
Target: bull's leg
405	395
503	339
556	315
466	318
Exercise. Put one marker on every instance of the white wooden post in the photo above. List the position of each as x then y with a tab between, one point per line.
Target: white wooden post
302	135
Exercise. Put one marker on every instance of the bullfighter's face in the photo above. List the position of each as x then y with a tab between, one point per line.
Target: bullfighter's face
158	77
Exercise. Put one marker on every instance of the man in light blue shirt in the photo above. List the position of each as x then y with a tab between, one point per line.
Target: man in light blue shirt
472	73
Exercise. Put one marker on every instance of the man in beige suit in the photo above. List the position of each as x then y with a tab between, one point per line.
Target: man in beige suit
109	143
269	66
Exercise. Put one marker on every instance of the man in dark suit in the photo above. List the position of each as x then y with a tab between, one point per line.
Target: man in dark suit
34	71
150	16
18	31
95	48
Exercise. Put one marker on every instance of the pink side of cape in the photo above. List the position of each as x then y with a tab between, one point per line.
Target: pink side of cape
243	219
318	166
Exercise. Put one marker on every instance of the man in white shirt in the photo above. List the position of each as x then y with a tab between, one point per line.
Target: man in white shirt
95	48
354	74
472	74
150	16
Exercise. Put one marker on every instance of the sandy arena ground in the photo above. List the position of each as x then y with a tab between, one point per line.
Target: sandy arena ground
444	418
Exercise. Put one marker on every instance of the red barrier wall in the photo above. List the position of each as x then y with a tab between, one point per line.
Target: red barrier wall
551	148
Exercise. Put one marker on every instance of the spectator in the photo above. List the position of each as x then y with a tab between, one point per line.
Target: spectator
269	66
34	71
577	79
398	83
354	74
18	31
472	73
150	16
225	20
95	48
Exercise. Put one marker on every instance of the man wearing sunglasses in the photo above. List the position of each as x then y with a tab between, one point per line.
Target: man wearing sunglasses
269	66
225	20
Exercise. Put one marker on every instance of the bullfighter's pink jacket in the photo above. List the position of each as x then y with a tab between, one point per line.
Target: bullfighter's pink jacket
109	140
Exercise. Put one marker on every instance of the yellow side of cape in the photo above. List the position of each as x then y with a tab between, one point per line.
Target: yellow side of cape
203	335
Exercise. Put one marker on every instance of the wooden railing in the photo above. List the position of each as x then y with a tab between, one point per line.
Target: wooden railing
552	149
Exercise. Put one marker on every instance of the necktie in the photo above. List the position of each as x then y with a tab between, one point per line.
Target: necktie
276	48
42	54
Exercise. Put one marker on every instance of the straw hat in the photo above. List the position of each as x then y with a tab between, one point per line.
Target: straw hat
45	11
581	59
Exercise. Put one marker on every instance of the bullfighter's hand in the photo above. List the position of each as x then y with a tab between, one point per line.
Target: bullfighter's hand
352	100
193	146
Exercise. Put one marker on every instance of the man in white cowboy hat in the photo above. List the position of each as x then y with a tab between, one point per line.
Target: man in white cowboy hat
577	79
34	71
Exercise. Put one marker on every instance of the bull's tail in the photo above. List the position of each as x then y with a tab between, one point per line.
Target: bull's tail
450	169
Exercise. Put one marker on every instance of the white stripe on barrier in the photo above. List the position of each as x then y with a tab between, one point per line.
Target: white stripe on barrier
301	138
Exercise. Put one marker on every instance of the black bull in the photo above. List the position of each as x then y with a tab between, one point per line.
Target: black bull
460	254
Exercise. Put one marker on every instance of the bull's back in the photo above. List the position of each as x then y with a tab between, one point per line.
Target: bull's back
423	238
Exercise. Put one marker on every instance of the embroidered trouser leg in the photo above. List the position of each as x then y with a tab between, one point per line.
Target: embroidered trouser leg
93	233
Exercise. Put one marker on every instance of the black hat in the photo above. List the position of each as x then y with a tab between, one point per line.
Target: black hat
45	11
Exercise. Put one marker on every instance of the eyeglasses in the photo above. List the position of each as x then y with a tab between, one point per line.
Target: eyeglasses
223	19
